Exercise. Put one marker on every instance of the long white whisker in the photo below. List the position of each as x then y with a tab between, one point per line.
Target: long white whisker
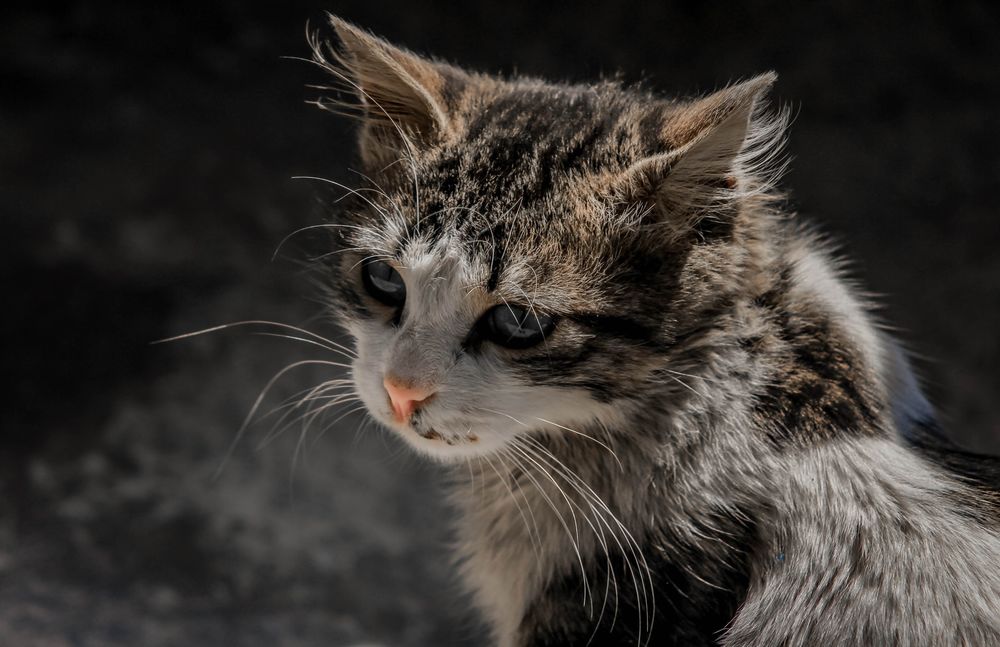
382	256
255	322
328	225
588	437
333	422
304	340
280	426
339	185
297	399
544	456
574	542
527	503
256	405
535	546
642	579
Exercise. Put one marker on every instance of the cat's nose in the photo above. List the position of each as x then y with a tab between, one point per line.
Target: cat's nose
405	399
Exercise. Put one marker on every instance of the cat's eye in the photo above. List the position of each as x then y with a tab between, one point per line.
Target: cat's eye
384	283
515	327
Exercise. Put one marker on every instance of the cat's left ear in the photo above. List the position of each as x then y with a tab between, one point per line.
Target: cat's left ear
406	101
717	150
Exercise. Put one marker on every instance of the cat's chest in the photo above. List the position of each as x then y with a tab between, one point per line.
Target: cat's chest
550	562
514	535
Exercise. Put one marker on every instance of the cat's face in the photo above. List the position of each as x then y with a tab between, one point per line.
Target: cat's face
475	321
502	273
457	367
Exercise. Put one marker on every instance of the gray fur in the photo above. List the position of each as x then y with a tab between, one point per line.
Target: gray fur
704	450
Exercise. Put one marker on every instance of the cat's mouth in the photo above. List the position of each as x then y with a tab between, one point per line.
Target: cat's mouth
444	442
434	432
419	425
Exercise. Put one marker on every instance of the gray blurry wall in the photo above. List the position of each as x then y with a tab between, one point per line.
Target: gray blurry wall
144	166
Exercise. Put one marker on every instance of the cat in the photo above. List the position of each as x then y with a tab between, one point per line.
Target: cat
668	417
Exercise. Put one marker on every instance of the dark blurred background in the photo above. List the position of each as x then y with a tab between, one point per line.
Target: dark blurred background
145	164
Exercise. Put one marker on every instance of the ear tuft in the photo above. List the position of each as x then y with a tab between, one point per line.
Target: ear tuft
401	96
718	128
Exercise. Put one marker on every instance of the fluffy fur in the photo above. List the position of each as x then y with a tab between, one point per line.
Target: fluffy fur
706	449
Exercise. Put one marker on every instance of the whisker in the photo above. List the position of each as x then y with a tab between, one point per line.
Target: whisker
588	437
280	426
295	400
683	383
300	230
535	546
642	578
384	257
697	377
573	542
339	185
256	405
598	531
303	340
256	322
323	429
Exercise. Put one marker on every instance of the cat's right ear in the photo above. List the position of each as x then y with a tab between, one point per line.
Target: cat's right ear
404	101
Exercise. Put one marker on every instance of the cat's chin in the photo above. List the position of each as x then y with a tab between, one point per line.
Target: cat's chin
446	446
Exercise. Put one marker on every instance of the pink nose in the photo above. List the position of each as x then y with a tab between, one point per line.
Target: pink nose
405	399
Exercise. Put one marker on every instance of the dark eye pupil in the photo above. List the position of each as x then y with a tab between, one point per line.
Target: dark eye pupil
384	283
515	327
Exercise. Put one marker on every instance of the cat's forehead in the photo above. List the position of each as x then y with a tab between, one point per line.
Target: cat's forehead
509	204
525	145
526	149
510	257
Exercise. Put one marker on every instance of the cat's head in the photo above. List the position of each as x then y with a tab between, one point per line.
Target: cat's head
524	257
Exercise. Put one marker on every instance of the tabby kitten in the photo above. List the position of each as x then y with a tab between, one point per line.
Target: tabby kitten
670	419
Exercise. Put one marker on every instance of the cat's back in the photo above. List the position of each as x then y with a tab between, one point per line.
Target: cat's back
874	543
